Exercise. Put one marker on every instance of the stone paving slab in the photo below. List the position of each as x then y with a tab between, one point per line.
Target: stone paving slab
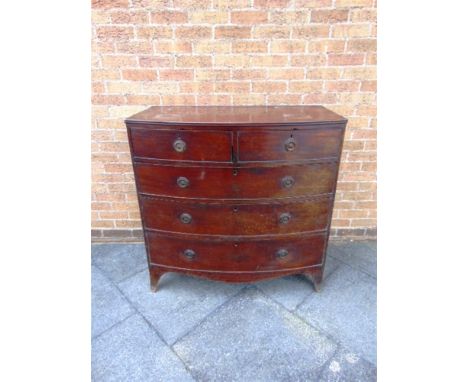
252	338
108	305
358	254
348	366
180	303
132	351
119	261
346	309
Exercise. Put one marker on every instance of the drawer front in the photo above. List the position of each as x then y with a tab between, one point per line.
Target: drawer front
183	145
289	145
236	218
240	183
258	255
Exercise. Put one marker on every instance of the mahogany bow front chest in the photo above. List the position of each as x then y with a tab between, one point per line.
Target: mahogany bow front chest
236	193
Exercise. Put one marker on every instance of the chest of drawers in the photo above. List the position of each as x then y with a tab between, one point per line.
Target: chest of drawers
236	193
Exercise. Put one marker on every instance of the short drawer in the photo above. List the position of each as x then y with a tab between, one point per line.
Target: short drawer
223	255
289	145
228	218
183	145
236	183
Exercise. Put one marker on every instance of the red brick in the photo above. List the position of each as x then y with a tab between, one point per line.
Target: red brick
125	17
314	4
249	17
156	61
272	3
288	46
287	74
136	47
176	74
169	17
249	46
108	4
284	17
108	100
305	86
329	16
192	4
312	31
339	86
232	87
369	86
118	61
193	61
196	87
192	32
249	74
308	60
354	3
139	74
345	59
209	17
212	74
271	32
362	45
154	33
114	33
178	100
284	99
171	47
269	87
320	98
152	100
232	32
214	99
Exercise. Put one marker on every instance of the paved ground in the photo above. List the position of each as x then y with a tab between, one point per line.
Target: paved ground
197	330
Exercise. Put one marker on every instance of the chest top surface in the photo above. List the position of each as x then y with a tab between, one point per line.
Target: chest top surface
236	115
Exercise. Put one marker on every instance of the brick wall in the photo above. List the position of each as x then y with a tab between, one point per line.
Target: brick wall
239	52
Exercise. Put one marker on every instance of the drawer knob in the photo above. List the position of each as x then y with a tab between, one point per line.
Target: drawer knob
179	145
290	144
189	254
185	218
284	218
182	182
282	253
287	181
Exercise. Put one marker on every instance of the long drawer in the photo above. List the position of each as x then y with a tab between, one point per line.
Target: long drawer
236	218
241	255
236	183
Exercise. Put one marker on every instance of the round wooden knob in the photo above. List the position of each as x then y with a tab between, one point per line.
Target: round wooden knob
185	218
179	145
182	182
